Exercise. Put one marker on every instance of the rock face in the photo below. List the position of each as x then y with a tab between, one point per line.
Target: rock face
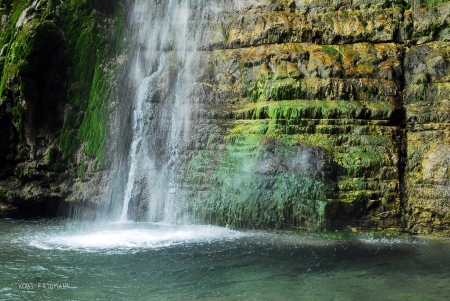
49	80
31	110
426	100
323	115
306	109
308	114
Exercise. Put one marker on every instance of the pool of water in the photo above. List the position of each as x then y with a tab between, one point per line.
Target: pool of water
54	260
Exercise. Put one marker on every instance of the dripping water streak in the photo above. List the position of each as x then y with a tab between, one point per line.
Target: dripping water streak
161	116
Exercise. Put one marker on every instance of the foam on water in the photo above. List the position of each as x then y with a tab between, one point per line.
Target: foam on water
126	239
113	261
390	241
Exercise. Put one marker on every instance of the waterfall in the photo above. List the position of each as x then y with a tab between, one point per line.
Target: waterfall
161	81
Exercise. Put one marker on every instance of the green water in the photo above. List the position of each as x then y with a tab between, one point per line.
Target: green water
141	261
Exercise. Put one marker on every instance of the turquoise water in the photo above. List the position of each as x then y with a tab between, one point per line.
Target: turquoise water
53	260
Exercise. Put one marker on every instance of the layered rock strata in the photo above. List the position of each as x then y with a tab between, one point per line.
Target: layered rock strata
306	114
427	100
311	118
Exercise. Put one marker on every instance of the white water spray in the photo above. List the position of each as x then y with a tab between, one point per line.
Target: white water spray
161	114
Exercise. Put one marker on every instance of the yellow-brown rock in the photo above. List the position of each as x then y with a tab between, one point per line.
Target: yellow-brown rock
427	100
350	90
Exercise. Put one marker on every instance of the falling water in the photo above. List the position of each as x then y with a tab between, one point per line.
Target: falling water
162	78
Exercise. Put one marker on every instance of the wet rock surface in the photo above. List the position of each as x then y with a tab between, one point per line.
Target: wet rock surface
41	111
426	100
362	82
307	114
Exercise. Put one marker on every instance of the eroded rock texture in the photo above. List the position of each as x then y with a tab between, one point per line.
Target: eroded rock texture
56	78
322	115
426	101
306	114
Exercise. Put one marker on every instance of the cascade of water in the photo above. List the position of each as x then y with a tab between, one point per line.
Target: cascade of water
164	53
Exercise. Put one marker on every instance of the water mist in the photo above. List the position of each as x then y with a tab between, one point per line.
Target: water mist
161	77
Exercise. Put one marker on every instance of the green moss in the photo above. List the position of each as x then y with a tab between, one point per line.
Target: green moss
120	29
247	197
33	70
431	3
68	139
82	169
18	113
86	50
330	50
62	176
3	193
295	110
282	89
91	76
18	172
255	186
93	128
357	160
421	93
256	183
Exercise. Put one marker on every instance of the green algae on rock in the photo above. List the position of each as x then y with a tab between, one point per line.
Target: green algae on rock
37	52
307	114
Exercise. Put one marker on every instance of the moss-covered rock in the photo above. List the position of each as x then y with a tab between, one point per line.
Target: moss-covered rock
49	64
309	138
426	100
307	114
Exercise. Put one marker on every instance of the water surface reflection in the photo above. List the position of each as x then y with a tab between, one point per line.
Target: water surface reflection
142	261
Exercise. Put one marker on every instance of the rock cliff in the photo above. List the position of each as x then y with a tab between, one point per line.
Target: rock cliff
307	114
323	115
57	62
